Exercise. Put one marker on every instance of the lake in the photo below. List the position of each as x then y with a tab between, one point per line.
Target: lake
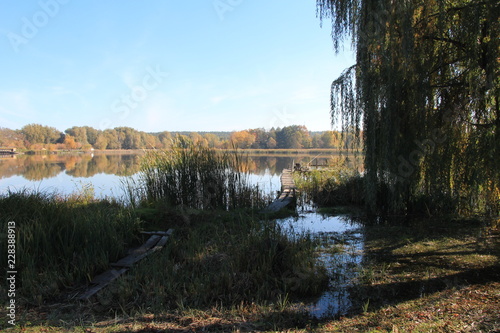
106	172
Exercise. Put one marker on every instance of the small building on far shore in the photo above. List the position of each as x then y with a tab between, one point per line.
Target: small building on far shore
6	151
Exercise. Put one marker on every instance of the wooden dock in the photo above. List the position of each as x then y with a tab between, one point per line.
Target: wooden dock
157	240
287	197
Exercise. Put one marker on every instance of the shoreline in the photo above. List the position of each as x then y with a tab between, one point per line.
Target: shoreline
250	151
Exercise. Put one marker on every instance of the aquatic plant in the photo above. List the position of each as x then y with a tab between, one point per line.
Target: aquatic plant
195	176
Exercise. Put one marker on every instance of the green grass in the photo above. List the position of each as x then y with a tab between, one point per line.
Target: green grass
216	264
332	186
225	258
223	253
194	176
62	241
456	262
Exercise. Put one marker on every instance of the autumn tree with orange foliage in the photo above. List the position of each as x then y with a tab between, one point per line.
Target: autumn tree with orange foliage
242	139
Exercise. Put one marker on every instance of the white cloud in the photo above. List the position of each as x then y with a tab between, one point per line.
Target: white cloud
16	109
218	99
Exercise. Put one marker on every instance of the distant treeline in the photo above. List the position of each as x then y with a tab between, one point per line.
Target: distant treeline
40	137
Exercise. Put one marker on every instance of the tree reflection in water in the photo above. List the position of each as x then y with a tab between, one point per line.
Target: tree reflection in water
62	171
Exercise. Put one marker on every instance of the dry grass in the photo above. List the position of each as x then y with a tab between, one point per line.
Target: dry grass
473	308
433	276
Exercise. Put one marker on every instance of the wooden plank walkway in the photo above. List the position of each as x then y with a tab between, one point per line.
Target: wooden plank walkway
138	254
157	240
287	196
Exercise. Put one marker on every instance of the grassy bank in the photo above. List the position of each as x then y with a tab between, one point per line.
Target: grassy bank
219	258
223	255
432	276
61	241
428	276
217	263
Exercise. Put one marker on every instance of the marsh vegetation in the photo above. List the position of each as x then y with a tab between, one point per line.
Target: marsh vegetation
193	176
228	268
223	251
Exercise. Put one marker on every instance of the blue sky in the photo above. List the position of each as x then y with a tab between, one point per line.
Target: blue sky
155	65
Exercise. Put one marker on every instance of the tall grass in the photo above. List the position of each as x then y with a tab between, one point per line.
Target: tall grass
224	258
218	254
332	187
62	241
194	176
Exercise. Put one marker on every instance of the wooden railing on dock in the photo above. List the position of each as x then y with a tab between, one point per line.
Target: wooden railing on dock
287	196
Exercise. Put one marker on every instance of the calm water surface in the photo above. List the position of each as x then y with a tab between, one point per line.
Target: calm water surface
341	251
67	173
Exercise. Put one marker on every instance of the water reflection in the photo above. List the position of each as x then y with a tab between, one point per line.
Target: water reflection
38	167
340	250
105	170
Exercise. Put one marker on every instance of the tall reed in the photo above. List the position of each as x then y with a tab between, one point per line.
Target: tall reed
332	187
62	241
195	176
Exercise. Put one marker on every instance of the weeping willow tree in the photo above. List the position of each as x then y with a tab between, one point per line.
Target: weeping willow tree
424	94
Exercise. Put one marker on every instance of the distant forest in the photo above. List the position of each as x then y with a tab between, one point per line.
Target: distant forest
40	137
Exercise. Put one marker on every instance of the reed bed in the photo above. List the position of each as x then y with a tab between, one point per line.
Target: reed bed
332	187
194	176
62	241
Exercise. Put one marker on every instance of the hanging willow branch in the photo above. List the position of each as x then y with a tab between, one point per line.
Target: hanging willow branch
426	75
343	102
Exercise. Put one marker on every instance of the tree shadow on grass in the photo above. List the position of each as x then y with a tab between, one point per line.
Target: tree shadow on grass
409	262
382	295
396	289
